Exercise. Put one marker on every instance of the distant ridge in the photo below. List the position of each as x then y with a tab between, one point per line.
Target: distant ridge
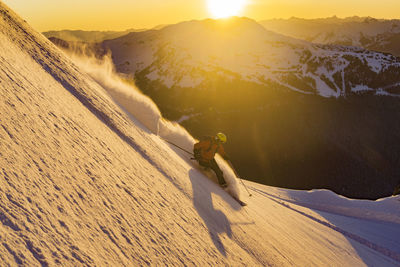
370	33
87	36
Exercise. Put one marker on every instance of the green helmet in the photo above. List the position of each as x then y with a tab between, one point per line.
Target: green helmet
221	137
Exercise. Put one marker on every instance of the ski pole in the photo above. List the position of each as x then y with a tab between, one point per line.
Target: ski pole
245	186
177	146
230	164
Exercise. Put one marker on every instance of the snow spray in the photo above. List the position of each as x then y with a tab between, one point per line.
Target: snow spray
142	108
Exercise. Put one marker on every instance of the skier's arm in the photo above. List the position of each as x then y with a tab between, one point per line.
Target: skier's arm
198	145
221	151
197	149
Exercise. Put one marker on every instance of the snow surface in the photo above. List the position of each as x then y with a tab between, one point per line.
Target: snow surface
360	88
86	181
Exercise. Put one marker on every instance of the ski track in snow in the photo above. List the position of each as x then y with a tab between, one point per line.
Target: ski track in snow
380	249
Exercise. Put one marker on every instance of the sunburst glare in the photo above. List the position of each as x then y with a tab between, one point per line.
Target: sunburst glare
225	8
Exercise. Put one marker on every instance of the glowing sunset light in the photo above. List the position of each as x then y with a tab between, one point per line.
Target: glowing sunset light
45	15
225	8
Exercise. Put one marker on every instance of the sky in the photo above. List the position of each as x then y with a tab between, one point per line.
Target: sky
126	14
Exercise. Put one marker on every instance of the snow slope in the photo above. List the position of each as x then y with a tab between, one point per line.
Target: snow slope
370	227
85	183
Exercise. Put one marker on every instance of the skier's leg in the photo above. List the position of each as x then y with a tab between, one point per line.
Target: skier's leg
204	164
220	175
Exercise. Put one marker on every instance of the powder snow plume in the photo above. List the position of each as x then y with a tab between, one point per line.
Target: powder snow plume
141	108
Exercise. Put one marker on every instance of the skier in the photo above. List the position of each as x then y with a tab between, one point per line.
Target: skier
204	152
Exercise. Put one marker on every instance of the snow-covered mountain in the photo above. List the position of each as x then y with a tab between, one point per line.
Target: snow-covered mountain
196	53
369	33
86	182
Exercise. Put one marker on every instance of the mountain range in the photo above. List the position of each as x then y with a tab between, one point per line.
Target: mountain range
240	48
374	34
90	36
86	36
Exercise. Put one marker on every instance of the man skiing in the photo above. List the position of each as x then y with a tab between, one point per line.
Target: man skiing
204	152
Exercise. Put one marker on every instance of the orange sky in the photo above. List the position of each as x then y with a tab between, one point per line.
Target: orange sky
124	14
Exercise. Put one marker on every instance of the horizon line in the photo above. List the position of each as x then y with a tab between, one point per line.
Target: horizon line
209	18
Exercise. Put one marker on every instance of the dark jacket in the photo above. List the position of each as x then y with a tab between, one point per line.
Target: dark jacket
206	148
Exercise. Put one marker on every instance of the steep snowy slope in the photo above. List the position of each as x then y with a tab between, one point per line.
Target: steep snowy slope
82	183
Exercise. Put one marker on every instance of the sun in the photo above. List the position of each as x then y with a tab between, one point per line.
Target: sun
225	8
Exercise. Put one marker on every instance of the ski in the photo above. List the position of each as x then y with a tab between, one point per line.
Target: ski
241	203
